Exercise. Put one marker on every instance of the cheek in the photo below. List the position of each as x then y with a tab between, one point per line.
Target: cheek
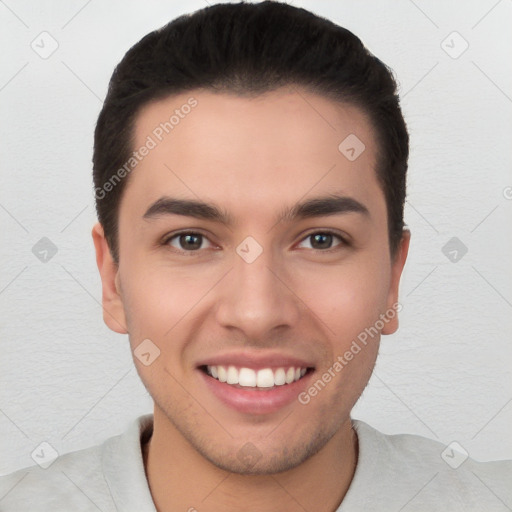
347	298
158	307
158	298
151	301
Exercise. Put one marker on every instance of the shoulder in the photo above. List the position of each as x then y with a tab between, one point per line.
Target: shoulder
72	480
418	473
107	477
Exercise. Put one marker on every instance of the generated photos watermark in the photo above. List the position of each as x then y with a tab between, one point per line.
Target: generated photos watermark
157	135
368	334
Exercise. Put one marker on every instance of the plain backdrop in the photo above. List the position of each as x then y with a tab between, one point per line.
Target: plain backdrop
447	374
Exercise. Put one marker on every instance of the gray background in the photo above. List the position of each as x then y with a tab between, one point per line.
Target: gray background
67	380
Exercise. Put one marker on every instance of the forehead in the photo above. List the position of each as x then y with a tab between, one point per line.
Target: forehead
246	152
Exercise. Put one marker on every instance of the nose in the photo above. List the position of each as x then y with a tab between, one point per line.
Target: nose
257	298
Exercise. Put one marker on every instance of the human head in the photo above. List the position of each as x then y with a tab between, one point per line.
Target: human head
248	49
250	171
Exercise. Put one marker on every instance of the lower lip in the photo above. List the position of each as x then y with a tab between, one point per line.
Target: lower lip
256	401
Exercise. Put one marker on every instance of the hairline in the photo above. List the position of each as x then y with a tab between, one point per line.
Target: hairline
239	91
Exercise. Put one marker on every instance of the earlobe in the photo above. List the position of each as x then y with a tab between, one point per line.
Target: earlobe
396	273
113	309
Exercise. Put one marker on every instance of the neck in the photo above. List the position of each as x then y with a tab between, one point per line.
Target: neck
182	479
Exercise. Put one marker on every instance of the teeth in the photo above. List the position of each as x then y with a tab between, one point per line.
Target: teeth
223	374
246	377
232	375
280	377
264	378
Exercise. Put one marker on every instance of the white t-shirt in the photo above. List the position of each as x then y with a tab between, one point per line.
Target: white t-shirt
394	473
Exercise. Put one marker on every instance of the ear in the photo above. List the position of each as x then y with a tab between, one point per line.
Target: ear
113	310
397	265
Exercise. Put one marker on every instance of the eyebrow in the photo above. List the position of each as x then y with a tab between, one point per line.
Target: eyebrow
316	207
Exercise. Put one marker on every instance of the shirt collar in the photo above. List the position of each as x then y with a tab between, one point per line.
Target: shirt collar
123	467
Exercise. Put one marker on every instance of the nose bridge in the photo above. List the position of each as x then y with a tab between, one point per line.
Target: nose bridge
253	299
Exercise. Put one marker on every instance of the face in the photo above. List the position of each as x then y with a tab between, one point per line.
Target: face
253	250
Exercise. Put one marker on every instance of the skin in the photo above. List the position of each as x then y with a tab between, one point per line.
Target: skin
252	157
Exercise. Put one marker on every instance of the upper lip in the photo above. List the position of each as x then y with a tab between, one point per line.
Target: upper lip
256	360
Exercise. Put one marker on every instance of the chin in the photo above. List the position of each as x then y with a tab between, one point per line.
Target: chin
248	458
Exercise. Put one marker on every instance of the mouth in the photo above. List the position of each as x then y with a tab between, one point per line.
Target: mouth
260	379
254	385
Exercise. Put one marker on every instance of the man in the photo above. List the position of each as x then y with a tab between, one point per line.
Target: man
249	171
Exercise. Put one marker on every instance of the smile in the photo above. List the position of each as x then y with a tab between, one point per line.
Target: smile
255	382
264	378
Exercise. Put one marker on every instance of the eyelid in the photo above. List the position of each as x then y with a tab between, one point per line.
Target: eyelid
170	236
344	239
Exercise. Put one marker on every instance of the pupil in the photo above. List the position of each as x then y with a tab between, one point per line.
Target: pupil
322	241
190	241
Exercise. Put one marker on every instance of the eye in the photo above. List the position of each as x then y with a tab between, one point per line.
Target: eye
188	241
323	240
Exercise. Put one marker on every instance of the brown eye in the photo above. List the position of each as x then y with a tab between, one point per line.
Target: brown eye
322	240
187	241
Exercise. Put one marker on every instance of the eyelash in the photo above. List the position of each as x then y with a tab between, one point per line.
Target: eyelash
342	241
